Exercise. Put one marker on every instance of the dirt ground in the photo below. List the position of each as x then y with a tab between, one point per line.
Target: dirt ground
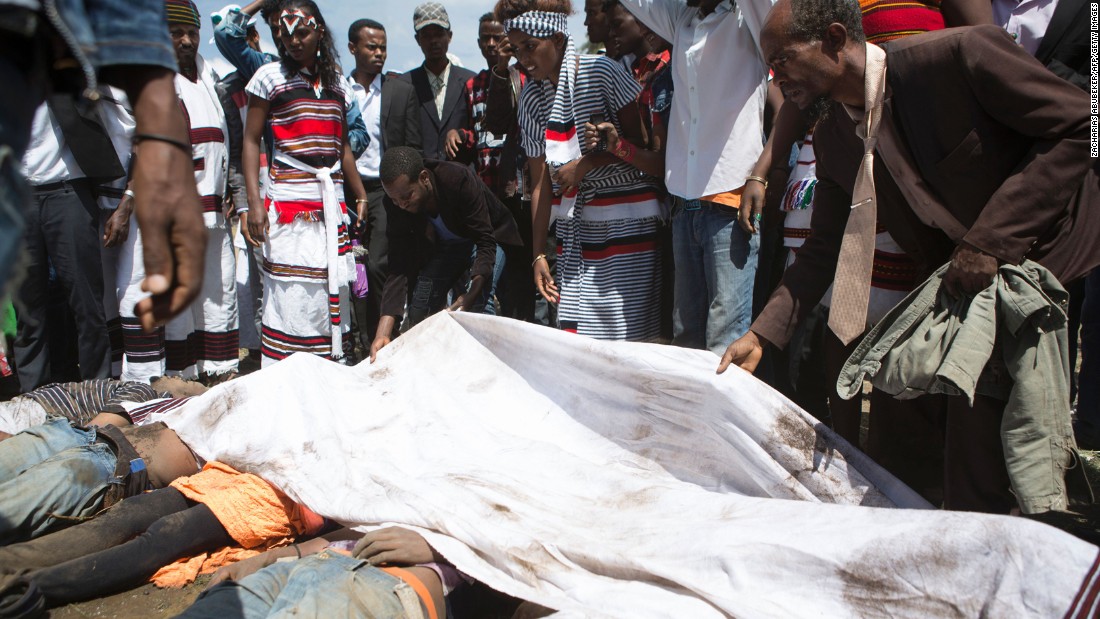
145	602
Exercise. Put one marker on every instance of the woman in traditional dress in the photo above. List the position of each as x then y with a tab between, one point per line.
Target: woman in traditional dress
302	224
605	212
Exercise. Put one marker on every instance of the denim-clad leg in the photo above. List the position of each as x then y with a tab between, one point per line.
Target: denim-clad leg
486	302
437	277
715	271
55	492
38	444
323	585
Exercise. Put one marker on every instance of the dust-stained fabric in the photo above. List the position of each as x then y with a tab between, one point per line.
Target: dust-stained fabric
611	479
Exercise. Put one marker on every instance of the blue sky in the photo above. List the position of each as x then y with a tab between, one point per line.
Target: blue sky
396	16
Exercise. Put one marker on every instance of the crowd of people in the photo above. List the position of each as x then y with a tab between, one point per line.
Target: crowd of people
772	182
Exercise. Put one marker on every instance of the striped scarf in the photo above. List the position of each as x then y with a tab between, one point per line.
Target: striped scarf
562	143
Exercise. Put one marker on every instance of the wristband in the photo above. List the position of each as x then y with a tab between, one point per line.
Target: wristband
763	181
537	258
625	150
167	139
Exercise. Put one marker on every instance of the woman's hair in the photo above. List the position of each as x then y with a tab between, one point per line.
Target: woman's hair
327	67
507	9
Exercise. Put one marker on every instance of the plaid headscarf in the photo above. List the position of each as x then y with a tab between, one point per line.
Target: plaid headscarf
182	12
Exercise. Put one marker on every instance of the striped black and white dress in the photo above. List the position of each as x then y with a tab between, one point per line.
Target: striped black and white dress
609	261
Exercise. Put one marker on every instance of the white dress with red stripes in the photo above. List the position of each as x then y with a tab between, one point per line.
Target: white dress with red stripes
307	124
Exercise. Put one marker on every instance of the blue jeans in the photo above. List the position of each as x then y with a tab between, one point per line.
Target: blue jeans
1088	381
715	269
323	585
51	472
438	277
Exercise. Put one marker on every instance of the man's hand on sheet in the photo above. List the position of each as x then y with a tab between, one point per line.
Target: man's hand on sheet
744	352
395	546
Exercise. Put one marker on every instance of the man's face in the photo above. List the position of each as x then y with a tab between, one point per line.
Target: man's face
409	195
370	50
804	70
624	32
434	41
595	21
490	34
185	40
541	58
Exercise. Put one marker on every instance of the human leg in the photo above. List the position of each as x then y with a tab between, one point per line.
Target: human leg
437	277
109	263
377	259
56	492
216	322
486	303
177	535
144	354
120	523
691	297
975	475
38	444
1087	429
323	585
729	261
32	343
71	229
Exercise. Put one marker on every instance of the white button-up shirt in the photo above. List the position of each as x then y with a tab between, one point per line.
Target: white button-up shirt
716	127
48	159
1025	20
369	101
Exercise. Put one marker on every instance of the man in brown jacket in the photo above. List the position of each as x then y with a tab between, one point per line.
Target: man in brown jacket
981	159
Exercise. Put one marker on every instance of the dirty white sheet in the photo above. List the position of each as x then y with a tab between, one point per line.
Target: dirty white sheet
620	480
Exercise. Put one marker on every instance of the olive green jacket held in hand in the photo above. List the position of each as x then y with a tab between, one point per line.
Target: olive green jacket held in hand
1009	342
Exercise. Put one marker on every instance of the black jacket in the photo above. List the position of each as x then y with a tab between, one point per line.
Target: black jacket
456	112
468	208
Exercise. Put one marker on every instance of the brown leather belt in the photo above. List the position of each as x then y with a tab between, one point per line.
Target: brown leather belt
130	477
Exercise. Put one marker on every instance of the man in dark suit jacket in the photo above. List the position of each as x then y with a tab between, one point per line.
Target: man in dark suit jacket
390	112
989	165
440	86
449	222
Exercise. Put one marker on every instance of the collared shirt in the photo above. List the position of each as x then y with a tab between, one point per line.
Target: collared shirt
48	159
716	130
439	86
369	101
1025	20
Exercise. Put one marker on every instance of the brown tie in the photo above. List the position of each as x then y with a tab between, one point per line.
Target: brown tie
852	284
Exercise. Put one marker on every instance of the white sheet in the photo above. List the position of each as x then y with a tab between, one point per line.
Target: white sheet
619	480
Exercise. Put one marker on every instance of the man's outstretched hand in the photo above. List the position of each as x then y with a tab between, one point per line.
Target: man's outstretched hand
744	352
166	202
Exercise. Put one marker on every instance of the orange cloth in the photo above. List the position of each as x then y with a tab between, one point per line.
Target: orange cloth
254	513
728	198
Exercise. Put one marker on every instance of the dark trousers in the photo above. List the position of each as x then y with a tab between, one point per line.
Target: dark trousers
369	309
119	549
939	445
62	231
517	290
